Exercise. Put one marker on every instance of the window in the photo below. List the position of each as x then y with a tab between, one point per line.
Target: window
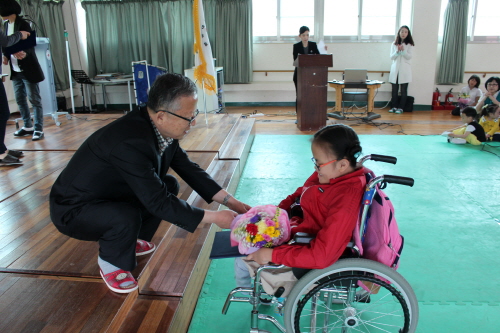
331	20
484	18
483	22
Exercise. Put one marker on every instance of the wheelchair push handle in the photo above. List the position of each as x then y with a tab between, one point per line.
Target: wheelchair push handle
379	158
407	181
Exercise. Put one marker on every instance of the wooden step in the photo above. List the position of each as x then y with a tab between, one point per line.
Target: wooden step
30	243
204	138
44	304
239	141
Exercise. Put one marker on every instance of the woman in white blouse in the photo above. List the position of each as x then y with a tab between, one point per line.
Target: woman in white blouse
472	90
400	75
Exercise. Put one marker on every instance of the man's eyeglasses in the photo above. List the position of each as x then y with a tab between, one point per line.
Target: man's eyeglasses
190	120
321	165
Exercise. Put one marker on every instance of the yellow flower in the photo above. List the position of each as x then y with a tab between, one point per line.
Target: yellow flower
261	227
277	224
258	238
270	231
249	240
276	233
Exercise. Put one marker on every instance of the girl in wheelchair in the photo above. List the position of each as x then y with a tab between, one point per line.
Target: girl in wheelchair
329	202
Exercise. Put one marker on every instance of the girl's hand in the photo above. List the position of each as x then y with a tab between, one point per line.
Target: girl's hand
262	256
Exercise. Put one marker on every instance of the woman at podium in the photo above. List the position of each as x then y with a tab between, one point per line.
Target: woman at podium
400	75
303	47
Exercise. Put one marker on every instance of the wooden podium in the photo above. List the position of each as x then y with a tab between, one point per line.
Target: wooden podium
312	83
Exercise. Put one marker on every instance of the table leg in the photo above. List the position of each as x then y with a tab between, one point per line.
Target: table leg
338	99
371	98
104	96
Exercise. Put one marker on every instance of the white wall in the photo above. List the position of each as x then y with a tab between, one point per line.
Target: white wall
278	87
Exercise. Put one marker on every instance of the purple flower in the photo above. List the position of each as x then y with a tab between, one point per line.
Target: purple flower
255	219
260	244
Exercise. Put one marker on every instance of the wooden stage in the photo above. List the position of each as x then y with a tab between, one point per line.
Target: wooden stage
50	282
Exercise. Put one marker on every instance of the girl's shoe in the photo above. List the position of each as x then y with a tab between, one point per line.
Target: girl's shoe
398	111
392	110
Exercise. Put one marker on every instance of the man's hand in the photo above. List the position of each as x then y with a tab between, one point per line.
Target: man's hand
24	34
237	206
232	203
222	218
20	55
5	61
262	256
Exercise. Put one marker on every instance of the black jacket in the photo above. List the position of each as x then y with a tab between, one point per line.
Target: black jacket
29	65
121	162
299	49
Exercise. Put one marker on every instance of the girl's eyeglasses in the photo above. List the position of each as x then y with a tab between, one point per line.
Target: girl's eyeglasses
321	165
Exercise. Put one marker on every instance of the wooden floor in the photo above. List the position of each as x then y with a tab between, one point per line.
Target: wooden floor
281	120
50	283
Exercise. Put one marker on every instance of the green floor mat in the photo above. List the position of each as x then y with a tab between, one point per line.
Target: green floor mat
449	220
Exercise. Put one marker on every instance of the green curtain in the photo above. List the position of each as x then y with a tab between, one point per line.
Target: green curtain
452	64
161	32
48	18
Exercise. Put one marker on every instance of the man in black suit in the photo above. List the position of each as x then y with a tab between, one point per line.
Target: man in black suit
115	189
25	72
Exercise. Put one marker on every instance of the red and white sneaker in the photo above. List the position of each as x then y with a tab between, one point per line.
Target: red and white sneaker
142	247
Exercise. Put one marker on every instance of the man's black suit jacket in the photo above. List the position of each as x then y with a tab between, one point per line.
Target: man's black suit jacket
29	65
121	162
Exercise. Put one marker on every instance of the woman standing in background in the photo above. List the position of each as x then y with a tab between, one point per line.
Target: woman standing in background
303	47
401	53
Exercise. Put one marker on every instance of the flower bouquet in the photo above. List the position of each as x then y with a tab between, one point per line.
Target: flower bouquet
463	101
261	226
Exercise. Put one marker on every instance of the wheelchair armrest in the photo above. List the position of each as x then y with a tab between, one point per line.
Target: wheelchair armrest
303	238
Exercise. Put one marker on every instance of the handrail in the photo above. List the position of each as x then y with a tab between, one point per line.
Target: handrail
484	73
341	71
329	71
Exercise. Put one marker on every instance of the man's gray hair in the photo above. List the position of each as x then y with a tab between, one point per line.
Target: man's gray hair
166	90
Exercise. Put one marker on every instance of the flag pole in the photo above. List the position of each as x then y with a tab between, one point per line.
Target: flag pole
204	99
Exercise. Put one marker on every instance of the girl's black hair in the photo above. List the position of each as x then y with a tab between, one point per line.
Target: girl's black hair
341	141
408	39
488	109
475	77
493	78
470	112
303	29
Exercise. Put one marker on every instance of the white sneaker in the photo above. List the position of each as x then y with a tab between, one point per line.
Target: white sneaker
392	110
457	141
445	133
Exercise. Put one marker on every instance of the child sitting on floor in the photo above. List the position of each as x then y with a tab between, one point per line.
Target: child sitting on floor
490	122
470	132
330	200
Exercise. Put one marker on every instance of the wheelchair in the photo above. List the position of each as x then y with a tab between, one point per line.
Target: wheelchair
352	295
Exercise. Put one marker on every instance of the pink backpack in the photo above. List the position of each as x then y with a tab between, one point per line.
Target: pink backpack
381	240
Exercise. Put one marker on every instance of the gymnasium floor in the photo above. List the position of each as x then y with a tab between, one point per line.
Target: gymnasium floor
450	220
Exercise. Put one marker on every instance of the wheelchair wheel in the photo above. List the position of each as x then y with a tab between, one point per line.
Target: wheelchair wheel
331	300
